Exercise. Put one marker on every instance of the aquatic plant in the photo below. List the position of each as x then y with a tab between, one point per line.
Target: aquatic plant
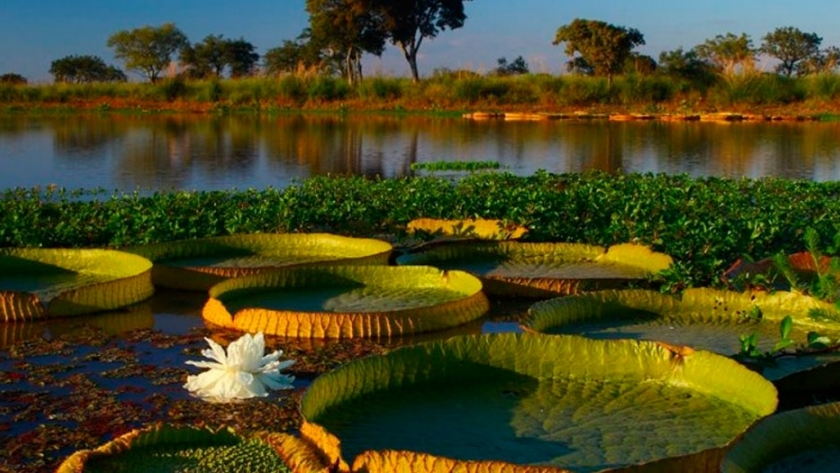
240	373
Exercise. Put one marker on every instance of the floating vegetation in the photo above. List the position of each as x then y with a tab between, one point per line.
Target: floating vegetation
37	283
347	301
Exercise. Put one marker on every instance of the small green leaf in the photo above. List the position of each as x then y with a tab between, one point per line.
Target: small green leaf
817	341
785	327
781	345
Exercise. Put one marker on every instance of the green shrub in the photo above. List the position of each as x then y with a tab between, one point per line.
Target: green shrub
381	88
326	89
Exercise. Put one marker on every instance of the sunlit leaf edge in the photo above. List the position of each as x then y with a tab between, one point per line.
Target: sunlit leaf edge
785	434
472	305
126	279
630	255
696	305
362	251
161	435
543	357
487	229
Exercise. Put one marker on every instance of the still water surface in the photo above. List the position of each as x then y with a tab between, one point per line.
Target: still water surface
165	152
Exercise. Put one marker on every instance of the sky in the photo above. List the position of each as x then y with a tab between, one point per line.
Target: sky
33	33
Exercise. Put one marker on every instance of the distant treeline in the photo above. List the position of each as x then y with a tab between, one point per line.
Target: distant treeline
603	66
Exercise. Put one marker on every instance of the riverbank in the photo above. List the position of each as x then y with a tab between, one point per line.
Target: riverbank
758	96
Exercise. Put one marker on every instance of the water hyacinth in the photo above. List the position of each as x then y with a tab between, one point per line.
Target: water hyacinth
241	373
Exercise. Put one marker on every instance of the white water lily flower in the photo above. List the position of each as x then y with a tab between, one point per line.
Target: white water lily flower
241	373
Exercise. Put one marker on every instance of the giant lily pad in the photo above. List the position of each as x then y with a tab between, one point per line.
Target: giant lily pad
38	283
533	399
347	301
469	228
542	269
169	448
801	440
198	264
702	318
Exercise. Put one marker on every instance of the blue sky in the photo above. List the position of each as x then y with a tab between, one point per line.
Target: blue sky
33	33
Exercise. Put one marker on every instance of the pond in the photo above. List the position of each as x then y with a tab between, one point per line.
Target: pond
216	152
78	382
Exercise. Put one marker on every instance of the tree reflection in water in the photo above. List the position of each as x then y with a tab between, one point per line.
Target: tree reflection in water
205	152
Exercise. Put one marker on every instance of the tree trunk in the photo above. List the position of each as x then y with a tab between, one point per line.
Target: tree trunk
349	67
410	52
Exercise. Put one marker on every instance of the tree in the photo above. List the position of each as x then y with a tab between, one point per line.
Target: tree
304	53
640	64
84	69
148	50
214	54
13	79
347	28
727	53
518	66
206	58
408	22
241	57
686	65
790	46
823	62
602	46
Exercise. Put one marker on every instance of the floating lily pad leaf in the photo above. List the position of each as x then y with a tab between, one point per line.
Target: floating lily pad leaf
164	448
200	263
800	440
37	283
533	399
702	318
347	301
469	228
509	268
134	317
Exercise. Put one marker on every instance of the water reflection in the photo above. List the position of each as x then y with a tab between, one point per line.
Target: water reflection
162	152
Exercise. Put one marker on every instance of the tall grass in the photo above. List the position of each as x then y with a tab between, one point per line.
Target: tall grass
453	90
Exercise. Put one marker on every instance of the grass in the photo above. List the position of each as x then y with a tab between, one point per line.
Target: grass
444	90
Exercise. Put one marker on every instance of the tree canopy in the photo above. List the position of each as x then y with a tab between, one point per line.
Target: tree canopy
603	47
347	28
791	47
727	53
515	67
148	50
305	53
407	23
215	54
686	65
84	69
13	78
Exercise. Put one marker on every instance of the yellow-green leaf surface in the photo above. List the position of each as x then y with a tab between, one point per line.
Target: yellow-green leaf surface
38	283
484	229
803	441
164	448
534	399
200	263
541	269
702	318
347	301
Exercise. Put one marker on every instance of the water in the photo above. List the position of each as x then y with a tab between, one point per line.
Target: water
210	152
